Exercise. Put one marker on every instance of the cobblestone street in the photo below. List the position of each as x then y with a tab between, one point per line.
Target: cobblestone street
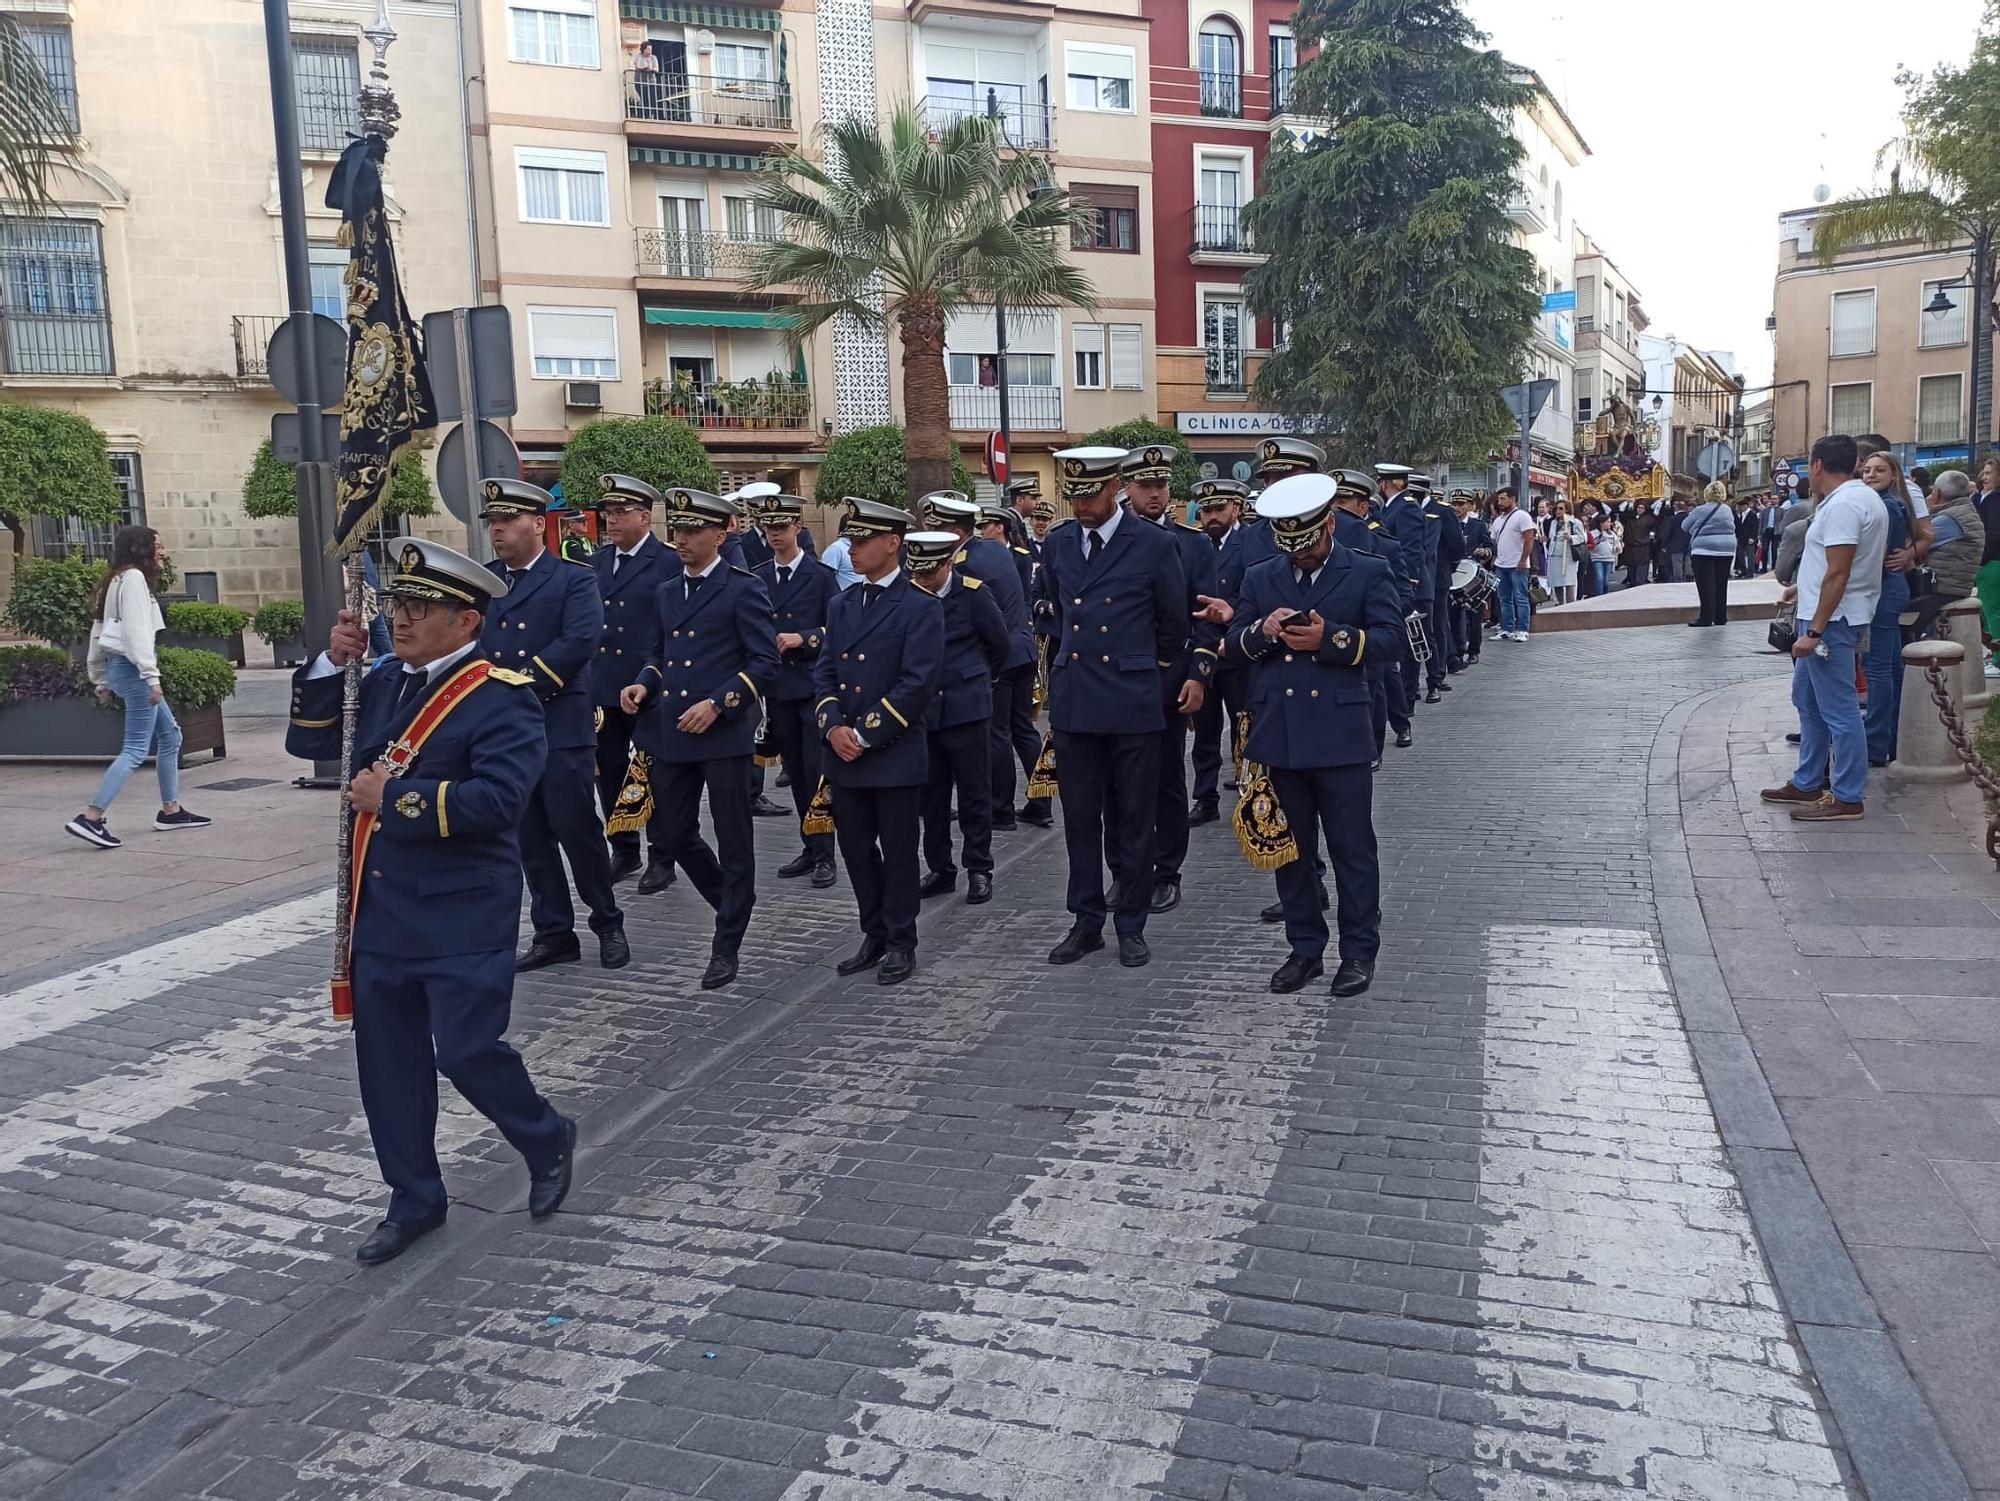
1517	1223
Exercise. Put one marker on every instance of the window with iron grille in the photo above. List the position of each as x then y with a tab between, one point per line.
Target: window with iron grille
1851	408
58	536
328	78
52	48
54	319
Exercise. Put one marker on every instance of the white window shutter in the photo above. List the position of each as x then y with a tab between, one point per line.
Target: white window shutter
1128	363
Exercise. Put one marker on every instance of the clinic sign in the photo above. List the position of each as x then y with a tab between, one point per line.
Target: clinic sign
1234	424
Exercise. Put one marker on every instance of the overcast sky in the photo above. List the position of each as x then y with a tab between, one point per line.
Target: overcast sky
1708	118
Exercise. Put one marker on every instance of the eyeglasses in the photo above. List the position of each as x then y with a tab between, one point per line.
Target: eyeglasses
412	610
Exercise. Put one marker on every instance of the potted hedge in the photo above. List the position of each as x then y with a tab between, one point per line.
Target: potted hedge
55	600
202	627
282	625
195	684
48	709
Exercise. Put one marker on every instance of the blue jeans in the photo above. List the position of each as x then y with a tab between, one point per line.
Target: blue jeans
145	724
1830	716
1514	598
1600	571
1884	665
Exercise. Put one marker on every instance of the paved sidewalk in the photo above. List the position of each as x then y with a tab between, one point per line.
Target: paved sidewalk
1006	1231
1861	961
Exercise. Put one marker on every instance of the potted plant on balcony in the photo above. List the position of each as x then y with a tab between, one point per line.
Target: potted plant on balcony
282	625
201	627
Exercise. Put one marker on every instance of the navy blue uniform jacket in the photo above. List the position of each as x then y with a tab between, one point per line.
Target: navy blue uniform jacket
798	608
1310	709
1197	660
548	625
876	674
757	552
976	645
1242	548
1404	519
992	563
443	873
1118	622
628	615
720	645
1372	538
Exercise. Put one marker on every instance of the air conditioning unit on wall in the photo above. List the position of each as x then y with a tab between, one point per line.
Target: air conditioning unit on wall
586	395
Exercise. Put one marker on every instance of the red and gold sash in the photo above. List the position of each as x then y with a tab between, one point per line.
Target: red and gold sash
398	758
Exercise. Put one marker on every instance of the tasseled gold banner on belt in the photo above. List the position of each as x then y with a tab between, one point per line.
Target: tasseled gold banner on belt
634	808
1042	780
761	750
1260	820
819	812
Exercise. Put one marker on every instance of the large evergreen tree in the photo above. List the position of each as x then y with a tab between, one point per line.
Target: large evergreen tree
1408	304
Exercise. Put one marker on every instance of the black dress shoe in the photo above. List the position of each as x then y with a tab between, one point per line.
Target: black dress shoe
1005	823
1433	697
658	877
391	1239
1036	813
784	778
978	888
822	874
763	807
1294	974
1076	943
624	863
1444	687
721	970
937	883
613	952
1132	951
1404	739
800	864
548	1188
1376	764
866	957
1166	895
1352	977
1273	913
1203	812
546	951
896	967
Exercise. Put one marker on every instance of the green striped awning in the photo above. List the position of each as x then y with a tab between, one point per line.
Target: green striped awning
693	317
740	18
722	161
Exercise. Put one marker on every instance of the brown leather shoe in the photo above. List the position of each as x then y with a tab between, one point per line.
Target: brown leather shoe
1788	793
1827	810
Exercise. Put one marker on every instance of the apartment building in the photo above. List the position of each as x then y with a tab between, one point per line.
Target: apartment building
1609	321
145	299
1542	212
1694	398
1221	78
1879	341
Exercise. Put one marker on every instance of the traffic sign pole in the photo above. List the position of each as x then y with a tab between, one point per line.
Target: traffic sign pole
478	545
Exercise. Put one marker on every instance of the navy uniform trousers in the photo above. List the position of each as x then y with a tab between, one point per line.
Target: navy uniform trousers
959	762
792	734
1013	736
729	886
562	819
1442	651
878	830
1337	801
1226	699
1109	786
417	1018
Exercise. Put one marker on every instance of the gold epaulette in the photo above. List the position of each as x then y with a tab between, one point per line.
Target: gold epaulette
969	582
509	675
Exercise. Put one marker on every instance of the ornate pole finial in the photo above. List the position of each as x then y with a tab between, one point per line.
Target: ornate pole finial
379	110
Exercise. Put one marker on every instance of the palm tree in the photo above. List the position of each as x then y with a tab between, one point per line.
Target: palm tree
34	120
1944	190
905	228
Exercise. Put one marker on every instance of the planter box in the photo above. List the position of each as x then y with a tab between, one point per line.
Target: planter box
76	729
290	652
223	646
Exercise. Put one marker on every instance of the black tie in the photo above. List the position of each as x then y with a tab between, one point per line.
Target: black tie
412	689
694	582
784	575
871	593
1302	576
1092	541
1218	541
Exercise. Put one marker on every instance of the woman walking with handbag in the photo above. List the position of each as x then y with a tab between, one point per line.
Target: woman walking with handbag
1711	531
1564	537
123	662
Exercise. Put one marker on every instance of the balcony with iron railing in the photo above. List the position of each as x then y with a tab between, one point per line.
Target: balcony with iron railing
1220	233
251	334
681	103
724	406
1030	409
1225	371
1222	95
1023	126
1281	90
698	256
54	342
1527	208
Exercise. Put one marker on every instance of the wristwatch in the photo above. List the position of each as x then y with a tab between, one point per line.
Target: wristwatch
1815	634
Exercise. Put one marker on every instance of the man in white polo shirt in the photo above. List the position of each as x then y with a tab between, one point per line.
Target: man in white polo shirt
1514	533
1840	577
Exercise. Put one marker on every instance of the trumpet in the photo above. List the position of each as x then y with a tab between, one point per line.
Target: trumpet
1420	636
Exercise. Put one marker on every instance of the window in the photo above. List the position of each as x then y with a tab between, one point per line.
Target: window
1851	409
963	80
52	48
1222	343
975	369
1556	212
562	187
1218	211
1114	221
1089	339
54	318
328	266
1100	78
1128	361
1938	404
328	77
1853	329
742	63
1284	65
1935	330
750	222
58	535
1221	59
573	343
561	33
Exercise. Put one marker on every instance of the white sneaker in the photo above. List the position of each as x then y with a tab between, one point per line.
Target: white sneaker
1520	635
1992	670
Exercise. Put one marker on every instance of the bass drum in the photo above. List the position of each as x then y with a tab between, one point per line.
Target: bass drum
1478	590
